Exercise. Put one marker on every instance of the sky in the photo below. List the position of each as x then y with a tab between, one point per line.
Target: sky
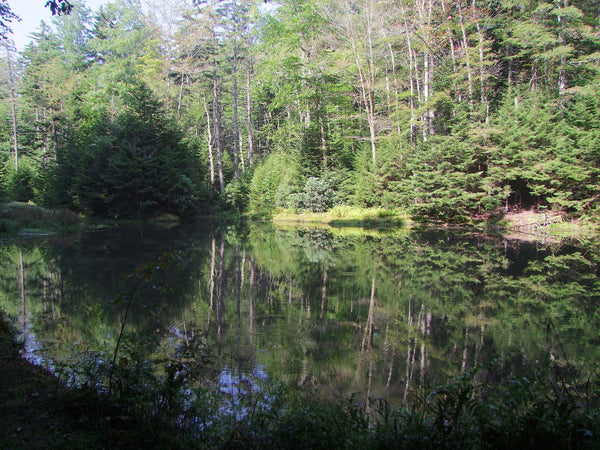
31	13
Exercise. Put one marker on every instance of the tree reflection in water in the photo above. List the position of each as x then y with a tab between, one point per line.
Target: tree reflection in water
382	314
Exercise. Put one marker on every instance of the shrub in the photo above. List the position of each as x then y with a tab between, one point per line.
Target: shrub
273	182
316	196
21	184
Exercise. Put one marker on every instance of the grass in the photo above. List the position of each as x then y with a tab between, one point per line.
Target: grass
32	220
347	216
465	413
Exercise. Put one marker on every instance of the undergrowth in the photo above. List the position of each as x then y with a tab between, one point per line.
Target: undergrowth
542	410
27	218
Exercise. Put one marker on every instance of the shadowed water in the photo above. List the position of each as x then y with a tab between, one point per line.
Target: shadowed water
385	314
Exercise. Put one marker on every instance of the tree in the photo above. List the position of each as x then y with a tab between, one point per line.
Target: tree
7	16
59	7
13	101
130	161
453	110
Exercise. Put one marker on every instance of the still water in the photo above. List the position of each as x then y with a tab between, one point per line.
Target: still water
340	310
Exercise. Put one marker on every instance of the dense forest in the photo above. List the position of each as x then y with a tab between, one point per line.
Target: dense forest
450	110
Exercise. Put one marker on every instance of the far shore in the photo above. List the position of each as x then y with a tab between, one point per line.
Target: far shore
22	219
528	225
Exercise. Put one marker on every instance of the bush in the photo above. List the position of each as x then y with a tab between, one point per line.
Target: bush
237	193
21	184
316	196
273	183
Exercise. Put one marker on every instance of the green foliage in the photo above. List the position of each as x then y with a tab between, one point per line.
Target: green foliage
530	412
132	164
447	180
272	183
365	181
455	115
466	412
317	195
545	155
20	184
17	217
237	193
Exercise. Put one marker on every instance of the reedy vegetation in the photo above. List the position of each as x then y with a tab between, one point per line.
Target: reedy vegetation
451	110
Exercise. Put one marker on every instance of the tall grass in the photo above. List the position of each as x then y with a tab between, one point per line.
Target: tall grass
465	413
32	219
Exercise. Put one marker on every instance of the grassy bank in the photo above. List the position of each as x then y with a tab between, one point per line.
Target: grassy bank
25	219
347	216
524	225
32	220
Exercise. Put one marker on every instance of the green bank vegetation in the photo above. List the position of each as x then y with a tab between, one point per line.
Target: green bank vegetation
26	219
454	112
346	216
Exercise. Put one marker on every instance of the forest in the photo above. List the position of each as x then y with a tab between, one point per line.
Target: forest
451	111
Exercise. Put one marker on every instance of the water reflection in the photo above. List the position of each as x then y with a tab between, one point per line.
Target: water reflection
381	314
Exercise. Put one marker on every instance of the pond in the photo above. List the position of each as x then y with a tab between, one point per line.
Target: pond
340	310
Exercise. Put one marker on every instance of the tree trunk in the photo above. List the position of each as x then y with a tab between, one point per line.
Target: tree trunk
220	288
13	107
322	135
323	294
217	129
465	45
180	95
249	113
251	300
411	74
236	132
562	76
367	342
482	86
22	285
365	69
209	142
452	50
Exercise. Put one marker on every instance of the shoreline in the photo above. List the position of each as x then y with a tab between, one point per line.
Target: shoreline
525	225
